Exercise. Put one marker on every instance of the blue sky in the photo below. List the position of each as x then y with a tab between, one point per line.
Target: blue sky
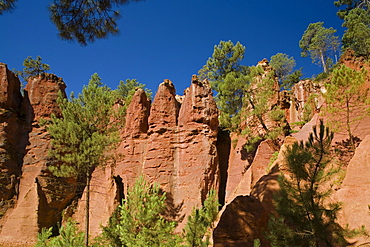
164	39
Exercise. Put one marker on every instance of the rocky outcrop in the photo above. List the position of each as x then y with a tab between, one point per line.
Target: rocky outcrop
41	197
354	192
171	144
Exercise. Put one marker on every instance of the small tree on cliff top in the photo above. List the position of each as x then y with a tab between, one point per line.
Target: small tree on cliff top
32	67
263	119
81	138
305	216
320	43
347	99
227	78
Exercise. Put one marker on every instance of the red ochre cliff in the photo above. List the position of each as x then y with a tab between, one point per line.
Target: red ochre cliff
174	142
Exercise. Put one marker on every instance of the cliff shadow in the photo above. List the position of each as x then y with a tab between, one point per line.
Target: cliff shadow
223	146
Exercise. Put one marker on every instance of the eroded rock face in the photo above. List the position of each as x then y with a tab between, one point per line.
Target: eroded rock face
43	93
13	134
241	223
137	115
354	192
172	145
41	197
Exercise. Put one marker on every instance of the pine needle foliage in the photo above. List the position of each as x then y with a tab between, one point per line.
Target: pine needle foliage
347	100
227	79
283	65
357	35
32	67
85	132
69	236
126	90
263	119
83	136
85	21
140	221
305	215
6	5
200	221
320	43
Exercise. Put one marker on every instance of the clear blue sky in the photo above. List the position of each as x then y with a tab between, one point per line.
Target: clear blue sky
164	39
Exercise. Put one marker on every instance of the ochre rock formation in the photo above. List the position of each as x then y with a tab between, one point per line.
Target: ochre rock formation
354	192
39	197
169	144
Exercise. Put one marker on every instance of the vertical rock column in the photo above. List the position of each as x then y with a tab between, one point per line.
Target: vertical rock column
196	159
158	165
11	129
41	197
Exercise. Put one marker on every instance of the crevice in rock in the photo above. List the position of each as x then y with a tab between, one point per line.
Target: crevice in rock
223	146
120	194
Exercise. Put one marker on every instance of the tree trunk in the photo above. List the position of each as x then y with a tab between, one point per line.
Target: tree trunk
323	62
87	213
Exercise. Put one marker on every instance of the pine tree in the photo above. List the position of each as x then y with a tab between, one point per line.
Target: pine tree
351	4
69	236
283	65
84	134
125	91
304	215
6	5
140	221
346	99
320	43
227	78
263	119
200	221
357	35
32	67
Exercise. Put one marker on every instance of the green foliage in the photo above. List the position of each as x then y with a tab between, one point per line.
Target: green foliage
80	20
227	78
346	99
125	91
320	43
357	35
273	158
283	65
85	21
309	108
6	5
140	220
305	216
351	4
259	110
292	79
32	67
200	221
85	132
257	243
69	236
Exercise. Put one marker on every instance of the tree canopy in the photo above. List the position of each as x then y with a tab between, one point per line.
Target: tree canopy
346	99
305	214
283	65
227	78
32	67
351	4
80	20
357	35
320	43
84	134
140	220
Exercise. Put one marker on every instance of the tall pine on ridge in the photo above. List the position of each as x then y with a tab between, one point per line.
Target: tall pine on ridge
81	138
